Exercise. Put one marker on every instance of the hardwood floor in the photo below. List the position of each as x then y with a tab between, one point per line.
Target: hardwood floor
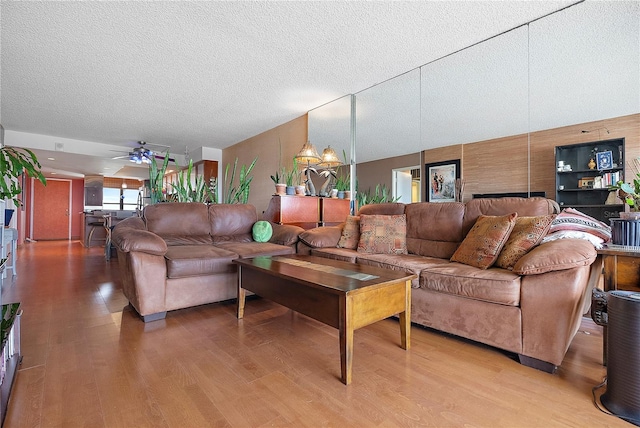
90	361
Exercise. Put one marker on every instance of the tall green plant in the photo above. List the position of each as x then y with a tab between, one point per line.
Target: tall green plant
239	194
381	195
156	177
186	191
14	162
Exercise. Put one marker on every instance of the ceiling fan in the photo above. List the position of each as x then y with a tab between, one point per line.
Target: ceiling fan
142	154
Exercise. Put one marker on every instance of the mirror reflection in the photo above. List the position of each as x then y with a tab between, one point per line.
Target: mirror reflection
501	107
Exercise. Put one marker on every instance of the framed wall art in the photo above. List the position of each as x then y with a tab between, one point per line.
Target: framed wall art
604	160
441	180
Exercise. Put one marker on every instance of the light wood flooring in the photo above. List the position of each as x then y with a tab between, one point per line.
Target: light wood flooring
89	361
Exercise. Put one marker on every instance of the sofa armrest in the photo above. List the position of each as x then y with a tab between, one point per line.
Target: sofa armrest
322	237
285	234
556	255
130	239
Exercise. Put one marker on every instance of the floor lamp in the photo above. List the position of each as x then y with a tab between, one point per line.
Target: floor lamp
308	154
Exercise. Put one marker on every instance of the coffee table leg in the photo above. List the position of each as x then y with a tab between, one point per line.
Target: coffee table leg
405	319
241	294
346	341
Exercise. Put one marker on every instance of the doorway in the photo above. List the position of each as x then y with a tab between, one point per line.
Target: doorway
406	184
50	210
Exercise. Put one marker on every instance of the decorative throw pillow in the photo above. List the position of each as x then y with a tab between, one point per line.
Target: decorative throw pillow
383	234
350	233
572	219
262	231
526	234
482	245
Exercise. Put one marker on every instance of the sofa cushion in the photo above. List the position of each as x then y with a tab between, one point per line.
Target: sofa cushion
175	220
383	234
434	229
386	208
343	254
261	231
350	233
232	222
193	260
526	234
409	263
502	206
247	250
490	285
484	241
321	237
556	255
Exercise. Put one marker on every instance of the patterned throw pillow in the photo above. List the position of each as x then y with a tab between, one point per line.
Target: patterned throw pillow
482	245
383	234
572	219
350	233
526	234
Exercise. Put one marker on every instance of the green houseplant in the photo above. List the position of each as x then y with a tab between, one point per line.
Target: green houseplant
14	162
156	178
238	194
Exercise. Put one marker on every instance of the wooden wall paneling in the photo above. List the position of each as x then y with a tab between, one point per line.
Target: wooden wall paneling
543	145
500	165
495	166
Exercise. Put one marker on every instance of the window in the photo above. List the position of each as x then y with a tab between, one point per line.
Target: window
119	199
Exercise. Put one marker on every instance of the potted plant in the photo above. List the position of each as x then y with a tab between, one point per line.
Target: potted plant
289	176
278	180
14	162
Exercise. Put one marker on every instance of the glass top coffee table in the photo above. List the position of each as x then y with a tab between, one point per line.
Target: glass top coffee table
344	295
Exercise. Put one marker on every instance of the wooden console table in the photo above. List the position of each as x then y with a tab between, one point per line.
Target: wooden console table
621	267
307	211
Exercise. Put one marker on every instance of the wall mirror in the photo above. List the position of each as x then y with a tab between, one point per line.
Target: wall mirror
475	104
503	105
388	137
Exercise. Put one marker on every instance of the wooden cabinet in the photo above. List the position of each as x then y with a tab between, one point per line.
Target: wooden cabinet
307	211
621	269
583	174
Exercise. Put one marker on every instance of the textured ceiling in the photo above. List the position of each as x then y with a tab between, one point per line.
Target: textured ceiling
194	74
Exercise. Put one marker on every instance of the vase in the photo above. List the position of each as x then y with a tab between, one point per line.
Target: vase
340	194
291	190
300	190
281	189
334	193
591	164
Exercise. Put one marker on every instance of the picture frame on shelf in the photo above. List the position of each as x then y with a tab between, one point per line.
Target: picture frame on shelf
604	160
441	183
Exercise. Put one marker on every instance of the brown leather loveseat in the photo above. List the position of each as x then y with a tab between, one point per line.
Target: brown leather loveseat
533	310
179	255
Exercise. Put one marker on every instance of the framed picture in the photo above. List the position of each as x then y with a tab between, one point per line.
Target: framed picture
441	180
604	160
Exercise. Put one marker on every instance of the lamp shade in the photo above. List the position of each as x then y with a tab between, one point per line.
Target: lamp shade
330	158
308	154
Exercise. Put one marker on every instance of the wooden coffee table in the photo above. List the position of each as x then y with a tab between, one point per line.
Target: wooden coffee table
344	295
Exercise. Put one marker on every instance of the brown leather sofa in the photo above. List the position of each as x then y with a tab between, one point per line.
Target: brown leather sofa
534	313
179	255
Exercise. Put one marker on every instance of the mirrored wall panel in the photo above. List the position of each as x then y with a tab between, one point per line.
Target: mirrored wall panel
477	94
585	64
330	125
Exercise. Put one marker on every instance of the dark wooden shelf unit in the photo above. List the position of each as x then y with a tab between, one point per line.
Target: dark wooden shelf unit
591	201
